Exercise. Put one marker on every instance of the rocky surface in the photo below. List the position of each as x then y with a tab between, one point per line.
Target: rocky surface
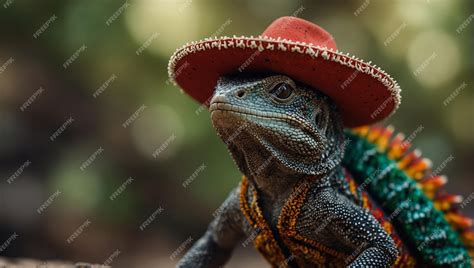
33	263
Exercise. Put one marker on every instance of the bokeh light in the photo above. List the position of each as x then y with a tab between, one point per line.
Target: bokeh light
176	22
159	126
434	58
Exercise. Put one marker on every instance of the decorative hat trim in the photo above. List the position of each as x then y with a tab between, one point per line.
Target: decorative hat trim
268	43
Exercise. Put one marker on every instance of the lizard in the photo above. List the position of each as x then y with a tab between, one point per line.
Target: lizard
280	134
322	185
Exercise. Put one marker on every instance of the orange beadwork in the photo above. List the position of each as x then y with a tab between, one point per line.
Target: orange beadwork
305	251
264	240
298	244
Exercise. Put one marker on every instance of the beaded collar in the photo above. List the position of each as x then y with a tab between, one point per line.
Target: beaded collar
304	251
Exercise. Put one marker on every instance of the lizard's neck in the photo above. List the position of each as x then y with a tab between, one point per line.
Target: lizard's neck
277	187
273	179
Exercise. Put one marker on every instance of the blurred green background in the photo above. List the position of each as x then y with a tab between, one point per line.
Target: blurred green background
118	70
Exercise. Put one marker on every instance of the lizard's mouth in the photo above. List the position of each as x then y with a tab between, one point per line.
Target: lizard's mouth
278	133
244	113
226	107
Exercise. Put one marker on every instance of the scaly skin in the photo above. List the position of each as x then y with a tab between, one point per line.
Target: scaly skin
279	132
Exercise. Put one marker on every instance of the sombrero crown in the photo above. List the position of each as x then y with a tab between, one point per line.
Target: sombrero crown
299	49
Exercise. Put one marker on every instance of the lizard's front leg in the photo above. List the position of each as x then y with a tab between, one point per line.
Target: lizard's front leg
358	229
215	247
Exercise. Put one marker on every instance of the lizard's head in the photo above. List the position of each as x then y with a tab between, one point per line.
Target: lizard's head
271	122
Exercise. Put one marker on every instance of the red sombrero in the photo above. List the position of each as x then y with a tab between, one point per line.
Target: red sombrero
299	49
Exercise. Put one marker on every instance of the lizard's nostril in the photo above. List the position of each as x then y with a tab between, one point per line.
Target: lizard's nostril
240	93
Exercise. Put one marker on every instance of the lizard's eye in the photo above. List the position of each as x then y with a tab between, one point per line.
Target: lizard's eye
281	91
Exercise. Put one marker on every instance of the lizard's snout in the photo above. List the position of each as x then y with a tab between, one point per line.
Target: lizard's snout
227	98
216	101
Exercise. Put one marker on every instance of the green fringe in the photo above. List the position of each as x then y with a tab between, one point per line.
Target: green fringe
423	228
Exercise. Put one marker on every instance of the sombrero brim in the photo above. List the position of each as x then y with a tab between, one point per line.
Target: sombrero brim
363	92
